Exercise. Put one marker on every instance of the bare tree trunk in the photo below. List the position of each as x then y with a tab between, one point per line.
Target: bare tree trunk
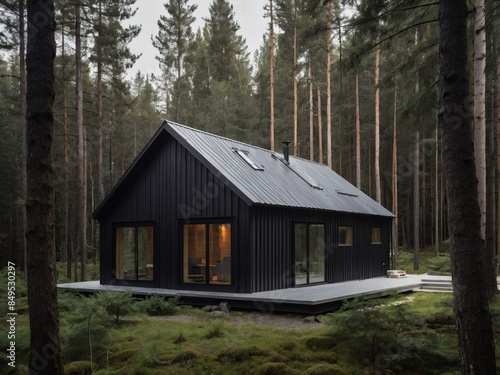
436	191
311	111
341	100
416	200
22	92
480	108
66	248
100	127
295	105
271	63
328	83
45	348
377	124
490	263
358	138
81	145
422	232
473	320
320	130
395	239
498	132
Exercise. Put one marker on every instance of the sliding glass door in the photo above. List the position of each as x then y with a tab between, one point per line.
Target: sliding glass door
309	243
207	253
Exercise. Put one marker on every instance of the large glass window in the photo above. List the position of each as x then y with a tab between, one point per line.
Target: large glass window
134	253
346	236
207	253
309	253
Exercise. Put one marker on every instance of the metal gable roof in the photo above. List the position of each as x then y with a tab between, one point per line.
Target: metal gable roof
275	183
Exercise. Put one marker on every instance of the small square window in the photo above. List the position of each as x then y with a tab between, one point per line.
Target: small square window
346	236
376	236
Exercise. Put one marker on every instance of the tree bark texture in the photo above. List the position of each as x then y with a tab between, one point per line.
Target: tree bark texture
358	137
473	320
22	91
311	111
395	239
45	355
377	125
271	64
416	201
295	105
100	128
328	83
82	232
320	130
480	108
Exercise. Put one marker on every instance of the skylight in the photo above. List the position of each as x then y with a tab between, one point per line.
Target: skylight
344	193
303	175
299	172
244	155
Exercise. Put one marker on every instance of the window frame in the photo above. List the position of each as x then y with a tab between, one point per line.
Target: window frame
114	271
379	242
308	253
207	284
352	235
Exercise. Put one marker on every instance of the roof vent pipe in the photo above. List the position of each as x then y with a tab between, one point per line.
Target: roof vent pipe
286	150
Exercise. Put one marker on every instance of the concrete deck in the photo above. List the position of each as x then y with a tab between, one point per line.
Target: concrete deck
310	299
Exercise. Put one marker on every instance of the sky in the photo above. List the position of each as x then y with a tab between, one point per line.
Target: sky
248	13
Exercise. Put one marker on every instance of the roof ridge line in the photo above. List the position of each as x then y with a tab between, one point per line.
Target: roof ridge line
239	142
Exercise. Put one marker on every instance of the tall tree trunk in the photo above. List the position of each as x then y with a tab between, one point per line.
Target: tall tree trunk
271	63
22	92
422	232
341	99
395	184
328	88
436	191
358	138
311	111
66	247
416	201
100	127
45	349
473	320
377	124
483	151
490	263
320	129
82	193
480	108
295	105
498	132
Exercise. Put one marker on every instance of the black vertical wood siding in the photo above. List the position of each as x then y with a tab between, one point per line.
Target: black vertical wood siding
169	186
273	248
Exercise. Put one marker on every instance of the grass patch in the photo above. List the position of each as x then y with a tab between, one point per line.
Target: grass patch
416	335
428	260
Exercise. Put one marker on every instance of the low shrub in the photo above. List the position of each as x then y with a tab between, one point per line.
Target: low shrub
79	368
155	305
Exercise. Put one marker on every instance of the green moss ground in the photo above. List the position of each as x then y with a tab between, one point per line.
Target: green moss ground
403	334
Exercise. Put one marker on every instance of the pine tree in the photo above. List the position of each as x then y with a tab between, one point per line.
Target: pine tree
473	320
172	42
40	233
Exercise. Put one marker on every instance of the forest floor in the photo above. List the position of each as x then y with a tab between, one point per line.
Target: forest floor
282	321
113	333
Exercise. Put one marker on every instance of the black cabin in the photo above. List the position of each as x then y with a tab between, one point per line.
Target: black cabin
200	211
